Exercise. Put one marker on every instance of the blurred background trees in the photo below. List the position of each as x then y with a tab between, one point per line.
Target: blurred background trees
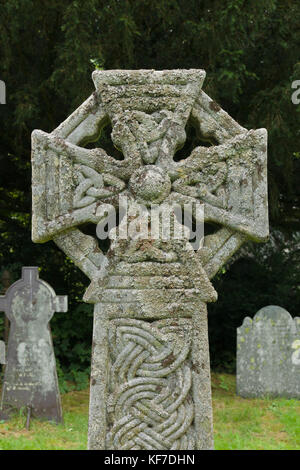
250	51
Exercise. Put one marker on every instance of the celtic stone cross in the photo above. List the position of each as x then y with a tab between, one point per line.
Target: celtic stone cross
150	378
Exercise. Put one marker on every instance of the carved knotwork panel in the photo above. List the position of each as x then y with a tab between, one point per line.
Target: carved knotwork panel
150	403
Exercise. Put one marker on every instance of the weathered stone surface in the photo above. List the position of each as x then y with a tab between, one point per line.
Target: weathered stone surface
30	378
268	354
2	353
150	380
6	282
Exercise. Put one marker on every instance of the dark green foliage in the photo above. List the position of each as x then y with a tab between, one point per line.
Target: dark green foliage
250	51
262	275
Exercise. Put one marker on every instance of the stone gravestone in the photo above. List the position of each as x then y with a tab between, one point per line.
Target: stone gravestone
150	377
30	378
268	354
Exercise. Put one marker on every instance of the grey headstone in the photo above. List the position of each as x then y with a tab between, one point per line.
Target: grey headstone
268	354
30	378
2	352
150	379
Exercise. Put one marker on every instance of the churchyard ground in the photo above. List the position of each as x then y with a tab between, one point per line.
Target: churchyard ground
239	423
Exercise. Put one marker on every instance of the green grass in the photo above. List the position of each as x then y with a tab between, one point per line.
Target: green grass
72	435
239	423
252	423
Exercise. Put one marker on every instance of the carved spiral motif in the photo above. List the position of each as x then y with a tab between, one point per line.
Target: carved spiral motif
150	404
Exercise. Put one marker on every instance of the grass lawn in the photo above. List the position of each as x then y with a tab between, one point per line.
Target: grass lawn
252	423
239	423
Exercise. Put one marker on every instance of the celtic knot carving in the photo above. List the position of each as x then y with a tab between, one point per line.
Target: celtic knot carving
92	186
150	132
150	403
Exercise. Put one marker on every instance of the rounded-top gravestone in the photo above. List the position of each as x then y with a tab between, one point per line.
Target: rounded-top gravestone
268	354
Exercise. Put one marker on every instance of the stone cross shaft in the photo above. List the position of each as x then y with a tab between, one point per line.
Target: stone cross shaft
150	378
30	378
